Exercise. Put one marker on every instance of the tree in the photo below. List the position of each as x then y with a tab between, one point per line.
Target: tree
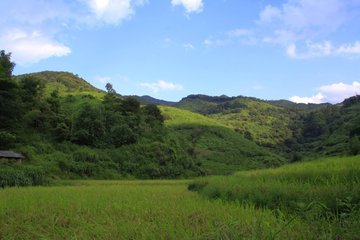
9	92
6	66
89	126
153	115
130	105
31	88
354	145
109	88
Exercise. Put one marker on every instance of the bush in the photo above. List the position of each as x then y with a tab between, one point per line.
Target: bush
354	145
6	139
22	176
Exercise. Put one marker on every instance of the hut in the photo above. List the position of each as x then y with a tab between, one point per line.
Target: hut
10	156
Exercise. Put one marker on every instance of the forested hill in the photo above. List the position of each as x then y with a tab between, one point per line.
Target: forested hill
296	130
67	128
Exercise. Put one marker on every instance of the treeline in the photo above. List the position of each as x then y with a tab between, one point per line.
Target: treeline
74	135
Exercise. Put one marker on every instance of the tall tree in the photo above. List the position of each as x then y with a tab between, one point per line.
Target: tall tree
9	92
6	66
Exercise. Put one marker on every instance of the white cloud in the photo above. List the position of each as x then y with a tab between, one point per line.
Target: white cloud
103	79
292	50
111	11
189	46
31	47
312	50
31	29
333	93
298	23
162	86
318	98
189	5
268	14
326	48
349	48
214	42
240	32
304	14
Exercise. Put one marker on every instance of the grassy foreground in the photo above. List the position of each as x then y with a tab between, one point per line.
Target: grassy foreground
324	193
135	210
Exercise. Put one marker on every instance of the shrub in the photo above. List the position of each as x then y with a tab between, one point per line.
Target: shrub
6	139
11	176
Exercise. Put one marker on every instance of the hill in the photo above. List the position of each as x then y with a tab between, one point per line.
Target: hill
150	100
219	147
258	120
64	82
66	128
287	103
293	130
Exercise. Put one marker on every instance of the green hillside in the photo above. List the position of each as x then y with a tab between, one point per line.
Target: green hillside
292	130
257	120
64	82
220	148
66	128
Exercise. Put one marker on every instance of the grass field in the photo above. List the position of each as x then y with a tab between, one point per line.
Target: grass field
135	210
311	200
324	193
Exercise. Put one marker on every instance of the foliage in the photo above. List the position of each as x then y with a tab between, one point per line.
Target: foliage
354	145
326	189
7	140
21	176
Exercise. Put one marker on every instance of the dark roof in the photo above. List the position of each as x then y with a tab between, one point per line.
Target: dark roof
10	154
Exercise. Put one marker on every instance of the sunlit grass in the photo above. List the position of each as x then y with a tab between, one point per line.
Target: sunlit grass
133	210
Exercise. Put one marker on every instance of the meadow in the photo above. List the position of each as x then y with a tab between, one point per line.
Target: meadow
323	192
152	209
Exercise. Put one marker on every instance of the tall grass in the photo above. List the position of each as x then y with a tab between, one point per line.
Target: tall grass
323	189
135	210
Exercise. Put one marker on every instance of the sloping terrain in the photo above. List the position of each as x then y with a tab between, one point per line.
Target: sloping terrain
220	148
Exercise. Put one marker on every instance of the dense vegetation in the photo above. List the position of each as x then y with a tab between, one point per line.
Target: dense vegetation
325	193
139	210
68	129
292	130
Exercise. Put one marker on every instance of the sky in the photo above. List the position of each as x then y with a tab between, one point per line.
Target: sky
306	51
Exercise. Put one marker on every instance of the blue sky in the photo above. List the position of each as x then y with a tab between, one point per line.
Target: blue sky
302	50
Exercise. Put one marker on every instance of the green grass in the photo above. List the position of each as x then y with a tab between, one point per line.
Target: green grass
135	210
175	116
324	191
266	123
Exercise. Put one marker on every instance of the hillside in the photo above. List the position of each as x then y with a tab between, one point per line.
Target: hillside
292	130
257	120
64	82
150	100
220	148
67	128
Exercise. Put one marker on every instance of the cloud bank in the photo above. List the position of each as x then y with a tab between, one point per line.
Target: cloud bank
334	93
162	86
303	27
32	30
32	47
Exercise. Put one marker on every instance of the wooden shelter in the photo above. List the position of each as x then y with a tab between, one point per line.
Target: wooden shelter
9	156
